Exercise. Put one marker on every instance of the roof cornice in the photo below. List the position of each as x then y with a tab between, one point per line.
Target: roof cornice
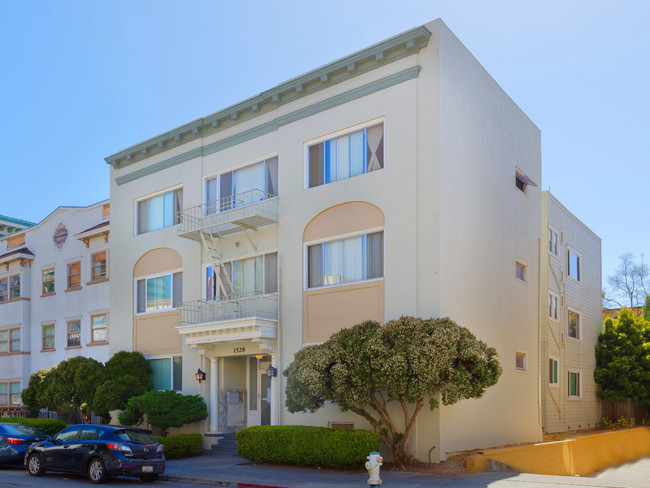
368	59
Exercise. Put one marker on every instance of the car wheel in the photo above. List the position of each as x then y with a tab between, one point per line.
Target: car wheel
97	471
34	465
148	477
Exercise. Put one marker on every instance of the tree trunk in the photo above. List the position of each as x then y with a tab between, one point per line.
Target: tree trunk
84	416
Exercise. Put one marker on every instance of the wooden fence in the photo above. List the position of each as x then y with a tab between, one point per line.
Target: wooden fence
614	410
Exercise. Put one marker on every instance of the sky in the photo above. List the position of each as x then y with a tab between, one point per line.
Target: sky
82	80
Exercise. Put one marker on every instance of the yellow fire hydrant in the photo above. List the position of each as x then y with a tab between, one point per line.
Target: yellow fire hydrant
372	465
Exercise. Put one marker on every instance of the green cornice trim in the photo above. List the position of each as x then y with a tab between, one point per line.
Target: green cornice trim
373	57
275	124
11	220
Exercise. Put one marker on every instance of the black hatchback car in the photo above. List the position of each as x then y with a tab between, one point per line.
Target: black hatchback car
15	439
100	451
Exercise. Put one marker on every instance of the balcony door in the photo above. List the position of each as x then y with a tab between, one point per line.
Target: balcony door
259	391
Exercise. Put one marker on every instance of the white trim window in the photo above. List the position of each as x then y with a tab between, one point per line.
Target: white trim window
158	293
552	241
348	260
346	156
167	373
553	371
520	271
573	324
257	275
552	306
243	186
574	384
521	361
573	265
159	211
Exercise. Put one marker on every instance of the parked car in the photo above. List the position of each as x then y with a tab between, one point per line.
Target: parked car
100	451
15	439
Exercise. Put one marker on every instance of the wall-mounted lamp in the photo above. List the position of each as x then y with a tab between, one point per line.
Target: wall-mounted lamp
200	375
272	372
259	356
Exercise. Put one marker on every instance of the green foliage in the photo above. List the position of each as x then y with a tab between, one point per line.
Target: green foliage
164	409
127	374
307	446
180	446
50	426
408	361
623	359
646	308
619	423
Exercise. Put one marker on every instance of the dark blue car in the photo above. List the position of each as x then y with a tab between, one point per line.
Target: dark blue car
15	439
99	451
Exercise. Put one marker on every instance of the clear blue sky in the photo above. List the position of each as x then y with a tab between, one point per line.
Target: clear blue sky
82	80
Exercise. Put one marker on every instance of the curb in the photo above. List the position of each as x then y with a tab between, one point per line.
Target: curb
221	483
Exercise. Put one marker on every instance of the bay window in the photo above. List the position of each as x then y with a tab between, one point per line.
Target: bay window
9	288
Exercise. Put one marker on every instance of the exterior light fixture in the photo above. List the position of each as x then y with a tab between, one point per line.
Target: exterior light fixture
272	372
200	375
259	356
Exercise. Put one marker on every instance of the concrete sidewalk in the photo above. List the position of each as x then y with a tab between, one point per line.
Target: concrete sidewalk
235	470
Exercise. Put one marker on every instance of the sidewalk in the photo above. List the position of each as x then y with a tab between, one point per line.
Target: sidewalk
235	470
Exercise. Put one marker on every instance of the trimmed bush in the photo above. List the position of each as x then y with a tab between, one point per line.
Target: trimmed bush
302	445
180	446
51	426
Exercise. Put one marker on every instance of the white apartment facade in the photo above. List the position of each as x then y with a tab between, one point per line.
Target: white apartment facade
398	180
570	319
53	295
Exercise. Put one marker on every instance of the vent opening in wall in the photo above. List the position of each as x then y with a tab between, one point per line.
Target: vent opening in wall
341	425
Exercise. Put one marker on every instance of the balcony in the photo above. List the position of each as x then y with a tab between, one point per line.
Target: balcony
252	318
248	210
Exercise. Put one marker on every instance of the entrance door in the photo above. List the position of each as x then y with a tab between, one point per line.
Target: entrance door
259	391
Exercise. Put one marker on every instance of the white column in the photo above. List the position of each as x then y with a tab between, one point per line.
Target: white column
274	394
214	395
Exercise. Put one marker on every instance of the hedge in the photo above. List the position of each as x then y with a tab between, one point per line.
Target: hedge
51	426
307	446
180	446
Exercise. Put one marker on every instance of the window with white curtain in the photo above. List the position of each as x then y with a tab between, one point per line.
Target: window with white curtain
252	276
160	292
346	260
243	186
159	211
346	156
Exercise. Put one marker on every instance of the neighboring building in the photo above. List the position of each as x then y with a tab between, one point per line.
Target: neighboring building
400	179
53	295
613	313
570	319
9	225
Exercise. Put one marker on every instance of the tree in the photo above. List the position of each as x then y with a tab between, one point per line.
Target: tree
408	361
72	383
646	308
127	374
623	359
164	409
630	282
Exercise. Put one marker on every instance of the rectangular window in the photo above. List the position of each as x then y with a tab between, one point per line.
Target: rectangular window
106	210
346	156
14	241
573	263
48	337
4	341
160	211
48	281
552	371
346	260
520	271
14	391
98	266
74	275
167	373
521	361
98	328
74	333
4	397
253	276
552	241
522	182
4	289
552	306
14	340
574	324
574	384
160	292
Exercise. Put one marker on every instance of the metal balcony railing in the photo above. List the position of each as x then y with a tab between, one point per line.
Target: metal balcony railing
211	311
250	209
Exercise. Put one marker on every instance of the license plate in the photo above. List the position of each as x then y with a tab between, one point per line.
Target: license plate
147	469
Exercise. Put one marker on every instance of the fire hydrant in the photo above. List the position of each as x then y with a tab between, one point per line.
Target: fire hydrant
372	465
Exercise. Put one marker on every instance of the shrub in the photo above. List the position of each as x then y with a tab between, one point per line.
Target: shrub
307	446
619	423
180	446
51	426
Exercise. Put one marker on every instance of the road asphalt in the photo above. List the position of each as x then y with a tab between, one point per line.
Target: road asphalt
231	470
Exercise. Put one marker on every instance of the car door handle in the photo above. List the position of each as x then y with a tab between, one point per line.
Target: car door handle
66	447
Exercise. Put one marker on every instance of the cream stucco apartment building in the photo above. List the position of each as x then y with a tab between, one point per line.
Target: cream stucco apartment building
570	319
53	296
400	179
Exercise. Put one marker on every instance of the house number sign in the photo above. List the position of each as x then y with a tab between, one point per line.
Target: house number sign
237	350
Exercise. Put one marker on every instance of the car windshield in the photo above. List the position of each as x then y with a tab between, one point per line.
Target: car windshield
137	436
22	429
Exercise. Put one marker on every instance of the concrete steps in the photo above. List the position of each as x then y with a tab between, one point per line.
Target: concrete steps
224	444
